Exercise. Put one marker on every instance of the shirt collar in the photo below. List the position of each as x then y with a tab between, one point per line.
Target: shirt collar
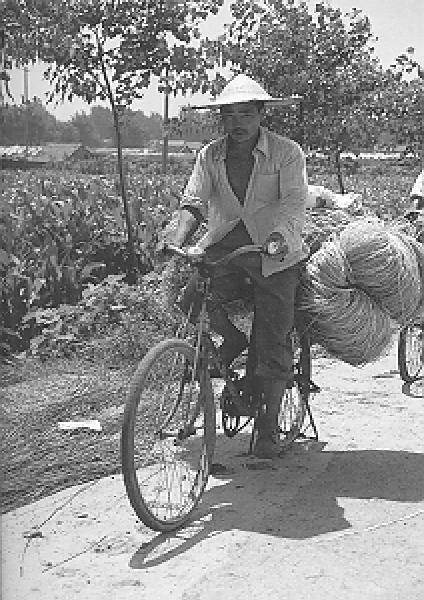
263	142
261	146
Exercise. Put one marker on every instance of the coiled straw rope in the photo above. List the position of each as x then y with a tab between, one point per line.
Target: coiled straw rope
356	286
383	263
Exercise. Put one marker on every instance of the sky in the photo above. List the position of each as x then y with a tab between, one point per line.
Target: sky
397	24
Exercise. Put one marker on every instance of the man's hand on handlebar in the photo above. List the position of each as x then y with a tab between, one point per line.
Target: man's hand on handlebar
276	246
192	253
161	247
415	216
195	253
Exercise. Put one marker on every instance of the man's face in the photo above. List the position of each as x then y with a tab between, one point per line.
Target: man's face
241	121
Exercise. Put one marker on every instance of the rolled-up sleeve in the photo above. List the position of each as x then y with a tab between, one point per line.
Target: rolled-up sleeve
293	196
418	187
198	189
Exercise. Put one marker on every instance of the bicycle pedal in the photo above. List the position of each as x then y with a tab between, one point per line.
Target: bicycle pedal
235	403
234	409
233	425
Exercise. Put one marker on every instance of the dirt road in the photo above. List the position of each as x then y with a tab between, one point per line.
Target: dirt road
339	518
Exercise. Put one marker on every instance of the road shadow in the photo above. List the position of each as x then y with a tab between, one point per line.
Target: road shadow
296	497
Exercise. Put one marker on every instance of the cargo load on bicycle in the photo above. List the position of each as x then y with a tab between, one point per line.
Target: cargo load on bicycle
364	279
359	286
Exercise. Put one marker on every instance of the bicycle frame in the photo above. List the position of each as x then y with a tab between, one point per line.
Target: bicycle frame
206	351
207	354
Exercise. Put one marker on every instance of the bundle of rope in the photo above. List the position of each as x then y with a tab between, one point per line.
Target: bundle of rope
358	286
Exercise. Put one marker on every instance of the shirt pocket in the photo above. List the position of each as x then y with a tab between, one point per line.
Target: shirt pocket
267	187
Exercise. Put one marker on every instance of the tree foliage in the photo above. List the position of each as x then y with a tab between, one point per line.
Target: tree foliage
401	102
109	50
194	125
98	47
31	123
322	55
27	123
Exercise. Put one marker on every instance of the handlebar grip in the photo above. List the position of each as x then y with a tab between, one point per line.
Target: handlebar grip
175	250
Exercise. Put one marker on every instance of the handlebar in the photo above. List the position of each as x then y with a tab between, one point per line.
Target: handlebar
414	214
177	251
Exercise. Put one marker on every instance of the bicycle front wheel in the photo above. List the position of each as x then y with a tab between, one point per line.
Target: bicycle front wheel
168	435
411	353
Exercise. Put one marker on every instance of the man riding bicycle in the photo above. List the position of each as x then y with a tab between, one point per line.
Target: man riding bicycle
251	187
417	192
415	213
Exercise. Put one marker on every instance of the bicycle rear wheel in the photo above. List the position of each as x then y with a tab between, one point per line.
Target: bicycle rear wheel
411	353
294	402
168	435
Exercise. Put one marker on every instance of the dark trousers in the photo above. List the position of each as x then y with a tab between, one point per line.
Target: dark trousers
270	352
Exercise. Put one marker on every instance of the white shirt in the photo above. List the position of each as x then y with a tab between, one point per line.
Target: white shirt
275	197
418	187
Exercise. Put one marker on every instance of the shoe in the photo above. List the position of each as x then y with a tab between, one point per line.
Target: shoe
267	446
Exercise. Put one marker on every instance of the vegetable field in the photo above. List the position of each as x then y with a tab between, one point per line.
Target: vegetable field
62	231
63	250
65	299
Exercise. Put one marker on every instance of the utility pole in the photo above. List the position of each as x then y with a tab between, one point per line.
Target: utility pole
26	103
2	65
165	124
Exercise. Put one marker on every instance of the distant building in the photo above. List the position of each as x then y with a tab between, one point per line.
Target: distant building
175	146
81	153
21	157
58	152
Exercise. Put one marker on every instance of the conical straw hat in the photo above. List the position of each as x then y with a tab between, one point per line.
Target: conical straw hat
241	89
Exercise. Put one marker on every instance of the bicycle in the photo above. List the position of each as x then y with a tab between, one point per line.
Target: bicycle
411	336
411	352
169	426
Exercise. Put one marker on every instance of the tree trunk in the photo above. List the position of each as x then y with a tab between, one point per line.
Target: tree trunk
165	125
301	121
131	264
131	261
339	171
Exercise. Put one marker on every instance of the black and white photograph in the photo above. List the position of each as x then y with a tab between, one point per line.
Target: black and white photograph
212	299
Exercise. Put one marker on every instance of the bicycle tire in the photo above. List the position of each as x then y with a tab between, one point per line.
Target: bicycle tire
167	440
294	402
411	353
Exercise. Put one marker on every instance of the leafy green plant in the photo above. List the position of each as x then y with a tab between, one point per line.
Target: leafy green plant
130	315
61	231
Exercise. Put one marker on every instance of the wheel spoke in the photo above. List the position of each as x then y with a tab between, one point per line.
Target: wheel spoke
411	353
293	405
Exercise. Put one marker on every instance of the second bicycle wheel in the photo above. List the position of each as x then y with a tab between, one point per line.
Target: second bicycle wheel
294	401
168	435
411	353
